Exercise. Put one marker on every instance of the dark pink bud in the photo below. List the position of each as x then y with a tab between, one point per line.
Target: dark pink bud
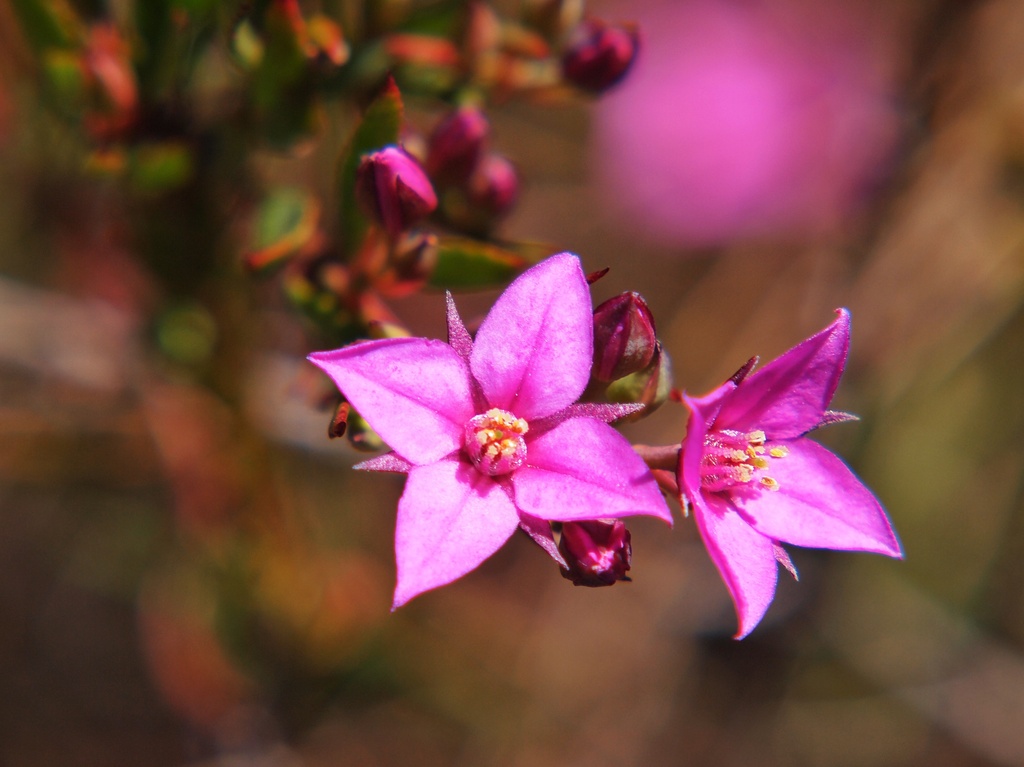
597	551
488	196
494	188
456	145
624	337
599	55
393	189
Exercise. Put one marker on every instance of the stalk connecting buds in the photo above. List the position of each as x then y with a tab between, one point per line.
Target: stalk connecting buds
599	55
393	189
598	552
624	337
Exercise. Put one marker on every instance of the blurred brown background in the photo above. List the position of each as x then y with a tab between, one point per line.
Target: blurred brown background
189	578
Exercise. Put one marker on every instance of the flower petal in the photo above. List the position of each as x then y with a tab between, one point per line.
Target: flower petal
386	462
788	396
533	352
458	337
744	557
450	519
820	504
413	391
703	411
584	469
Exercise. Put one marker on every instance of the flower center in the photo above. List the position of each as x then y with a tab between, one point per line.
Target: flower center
494	441
734	458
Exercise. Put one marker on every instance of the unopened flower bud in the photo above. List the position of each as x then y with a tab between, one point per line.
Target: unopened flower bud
650	386
339	421
488	196
624	337
393	189
494	188
599	55
456	146
597	551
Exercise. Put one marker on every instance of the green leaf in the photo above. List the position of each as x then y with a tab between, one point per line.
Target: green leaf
170	41
65	79
187	334
286	221
283	61
380	126
161	167
465	264
47	23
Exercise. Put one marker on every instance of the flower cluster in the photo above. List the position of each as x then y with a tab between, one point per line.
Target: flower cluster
493	438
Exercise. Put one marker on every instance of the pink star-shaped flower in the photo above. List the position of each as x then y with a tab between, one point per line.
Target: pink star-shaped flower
754	480
488	432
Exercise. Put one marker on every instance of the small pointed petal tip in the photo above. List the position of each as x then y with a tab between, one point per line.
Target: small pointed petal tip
386	462
743	372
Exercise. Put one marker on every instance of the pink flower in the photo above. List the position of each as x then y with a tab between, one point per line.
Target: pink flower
755	481
488	432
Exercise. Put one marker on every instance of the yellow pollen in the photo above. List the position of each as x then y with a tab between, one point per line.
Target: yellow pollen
507	422
738	458
494	441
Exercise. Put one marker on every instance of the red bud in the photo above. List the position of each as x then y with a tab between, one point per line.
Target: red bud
599	55
393	189
624	337
597	551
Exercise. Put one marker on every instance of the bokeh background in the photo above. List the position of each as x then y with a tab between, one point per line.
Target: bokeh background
191	574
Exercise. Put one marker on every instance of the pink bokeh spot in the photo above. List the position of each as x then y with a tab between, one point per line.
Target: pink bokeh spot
746	119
